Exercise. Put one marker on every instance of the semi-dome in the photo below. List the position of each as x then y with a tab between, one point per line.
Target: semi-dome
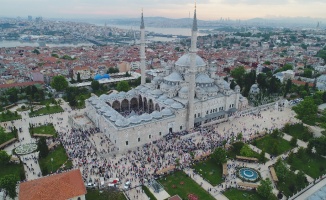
122	122
135	119
203	78
184	61
174	77
146	117
166	112
177	105
156	114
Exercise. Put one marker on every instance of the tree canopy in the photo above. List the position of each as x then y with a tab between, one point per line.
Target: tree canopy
219	155
59	83
123	86
8	182
4	158
43	147
307	110
265	189
95	85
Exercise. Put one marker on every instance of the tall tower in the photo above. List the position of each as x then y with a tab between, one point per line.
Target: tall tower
192	73
142	50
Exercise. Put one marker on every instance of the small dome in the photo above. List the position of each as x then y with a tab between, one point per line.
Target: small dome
157	78
135	119
184	89
143	89
131	92
156	114
104	97
122	94
139	87
226	85
174	77
113	96
237	87
157	92
122	122
184	61
109	114
99	105
162	97
212	69
203	78
177	105
169	101
103	109
166	112
146	117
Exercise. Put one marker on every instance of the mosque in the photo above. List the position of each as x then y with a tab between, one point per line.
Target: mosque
185	96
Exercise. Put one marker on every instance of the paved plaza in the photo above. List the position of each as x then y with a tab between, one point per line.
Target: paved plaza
91	150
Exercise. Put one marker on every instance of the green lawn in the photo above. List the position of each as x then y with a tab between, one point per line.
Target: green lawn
4	117
45	129
210	171
45	111
234	194
59	158
271	145
189	186
4	137
148	193
104	195
11	168
312	165
298	131
235	149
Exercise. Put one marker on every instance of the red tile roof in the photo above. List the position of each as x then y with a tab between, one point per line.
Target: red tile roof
56	187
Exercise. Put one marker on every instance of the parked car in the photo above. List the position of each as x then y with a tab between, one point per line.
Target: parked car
127	185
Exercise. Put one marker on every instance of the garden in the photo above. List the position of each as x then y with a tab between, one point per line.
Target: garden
54	161
181	184
4	137
44	129
273	143
9	116
234	194
210	171
289	182
46	111
298	131
311	164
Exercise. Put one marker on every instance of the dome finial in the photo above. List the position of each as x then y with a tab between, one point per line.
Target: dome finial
142	25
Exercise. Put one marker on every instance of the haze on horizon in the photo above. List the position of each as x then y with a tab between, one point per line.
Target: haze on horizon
206	9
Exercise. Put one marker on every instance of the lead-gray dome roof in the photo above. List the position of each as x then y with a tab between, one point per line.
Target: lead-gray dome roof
135	119
122	122
174	76
156	114
169	101
184	61
146	117
177	105
166	112
203	78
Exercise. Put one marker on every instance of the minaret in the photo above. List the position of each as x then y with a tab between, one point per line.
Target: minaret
192	73
142	51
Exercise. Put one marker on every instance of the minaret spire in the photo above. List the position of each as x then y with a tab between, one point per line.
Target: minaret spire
142	50
192	73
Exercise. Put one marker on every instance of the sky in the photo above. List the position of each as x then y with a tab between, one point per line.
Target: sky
206	9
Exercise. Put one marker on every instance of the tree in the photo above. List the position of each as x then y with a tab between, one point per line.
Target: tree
59	83
36	51
307	110
4	158
288	87
307	73
8	182
78	78
232	85
294	142
13	95
43	147
238	73
246	151
219	155
95	85
47	105
265	189
123	86
262	157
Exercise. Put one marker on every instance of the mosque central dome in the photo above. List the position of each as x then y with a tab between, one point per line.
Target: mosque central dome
184	61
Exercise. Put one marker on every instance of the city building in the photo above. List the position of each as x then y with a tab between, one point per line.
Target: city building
186	95
63	186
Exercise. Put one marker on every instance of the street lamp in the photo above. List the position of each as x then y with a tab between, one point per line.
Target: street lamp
52	165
